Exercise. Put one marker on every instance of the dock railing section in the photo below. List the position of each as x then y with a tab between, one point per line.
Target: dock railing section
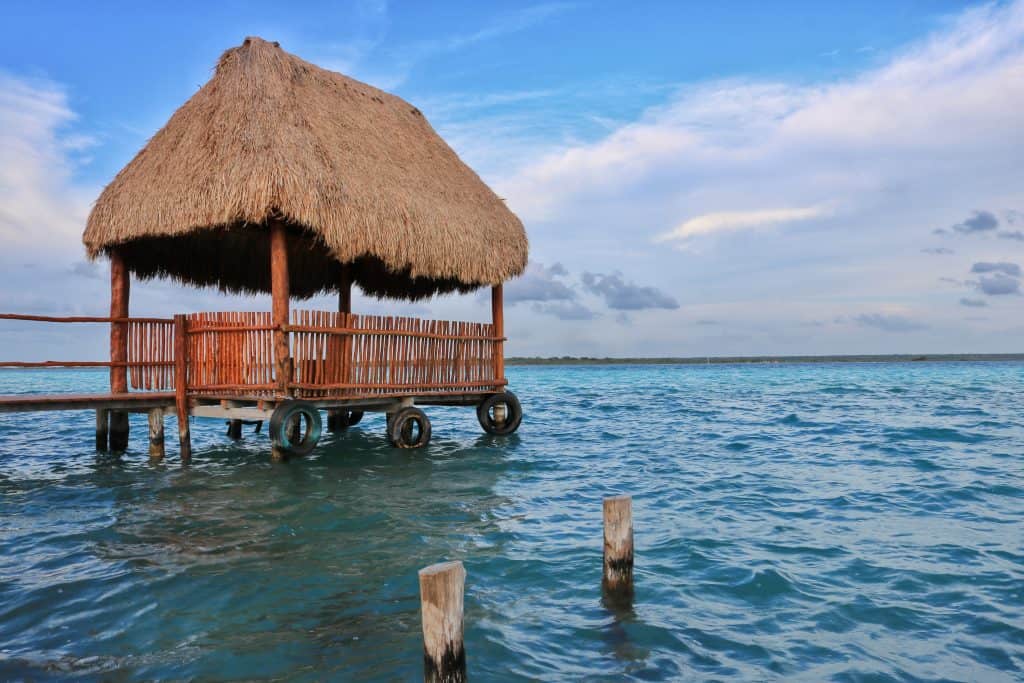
150	349
340	355
333	355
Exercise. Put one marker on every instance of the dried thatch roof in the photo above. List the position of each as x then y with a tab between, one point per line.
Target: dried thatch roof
359	175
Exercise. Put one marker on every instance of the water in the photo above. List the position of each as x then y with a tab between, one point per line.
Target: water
807	522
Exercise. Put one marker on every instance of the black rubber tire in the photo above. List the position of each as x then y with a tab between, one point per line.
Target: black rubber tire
281	423
513	413
400	428
354	417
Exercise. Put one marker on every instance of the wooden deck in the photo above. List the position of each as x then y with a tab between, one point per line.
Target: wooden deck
25	403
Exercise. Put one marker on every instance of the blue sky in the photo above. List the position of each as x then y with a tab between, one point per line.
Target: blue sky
696	178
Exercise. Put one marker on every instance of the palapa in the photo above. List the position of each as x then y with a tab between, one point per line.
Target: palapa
359	176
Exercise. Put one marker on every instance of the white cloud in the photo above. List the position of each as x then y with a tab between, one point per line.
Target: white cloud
729	221
39	204
942	108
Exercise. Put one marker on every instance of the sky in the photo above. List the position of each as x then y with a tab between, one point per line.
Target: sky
696	179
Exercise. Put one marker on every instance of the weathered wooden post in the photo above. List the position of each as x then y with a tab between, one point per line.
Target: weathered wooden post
335	422
156	433
102	429
181	386
120	285
280	293
441	602
498	318
617	580
235	429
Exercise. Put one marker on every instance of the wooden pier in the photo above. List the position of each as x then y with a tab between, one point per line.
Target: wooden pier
250	188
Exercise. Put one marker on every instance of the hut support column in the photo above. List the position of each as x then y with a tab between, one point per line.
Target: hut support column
498	318
334	417
181	386
279	288
120	285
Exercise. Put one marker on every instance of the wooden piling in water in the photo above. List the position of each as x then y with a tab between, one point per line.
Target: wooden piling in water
156	433
617	578
102	429
441	602
118	431
235	429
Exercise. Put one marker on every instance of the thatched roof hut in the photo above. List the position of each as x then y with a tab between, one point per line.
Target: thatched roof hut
359	177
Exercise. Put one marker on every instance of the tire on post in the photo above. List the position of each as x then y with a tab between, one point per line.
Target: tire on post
409	428
500	414
281	426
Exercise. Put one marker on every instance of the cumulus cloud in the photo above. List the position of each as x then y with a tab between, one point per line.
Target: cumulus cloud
999	284
729	221
1012	235
937	251
626	296
888	322
980	221
973	303
38	200
539	284
1000	267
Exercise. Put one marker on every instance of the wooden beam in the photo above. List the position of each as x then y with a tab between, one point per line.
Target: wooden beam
280	293
498	318
120	290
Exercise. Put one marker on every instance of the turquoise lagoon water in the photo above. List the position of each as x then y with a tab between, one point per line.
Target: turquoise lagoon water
793	522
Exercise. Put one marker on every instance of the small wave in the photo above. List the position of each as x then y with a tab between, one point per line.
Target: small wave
941	434
794	420
763	586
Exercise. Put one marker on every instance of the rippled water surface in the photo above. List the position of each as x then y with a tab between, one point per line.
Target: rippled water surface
797	522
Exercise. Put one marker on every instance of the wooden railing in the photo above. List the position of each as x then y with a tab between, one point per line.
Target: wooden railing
150	358
333	355
338	355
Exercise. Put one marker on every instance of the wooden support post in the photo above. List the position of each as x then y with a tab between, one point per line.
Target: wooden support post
118	431
156	433
441	600
235	429
102	429
618	546
181	386
498	318
334	417
120	286
279	287
345	290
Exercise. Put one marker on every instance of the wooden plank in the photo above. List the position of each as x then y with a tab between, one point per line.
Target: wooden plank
25	403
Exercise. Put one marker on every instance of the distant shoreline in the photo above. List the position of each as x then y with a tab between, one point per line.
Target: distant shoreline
726	360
